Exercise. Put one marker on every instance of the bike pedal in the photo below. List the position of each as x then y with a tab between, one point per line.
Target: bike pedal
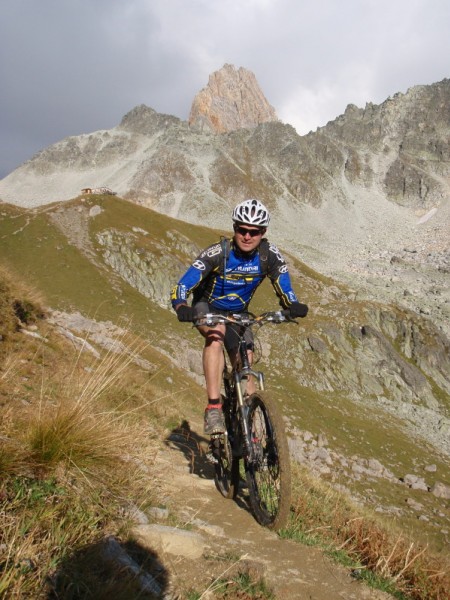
217	435
211	458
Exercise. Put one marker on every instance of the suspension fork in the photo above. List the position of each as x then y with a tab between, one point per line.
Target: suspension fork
241	373
242	370
243	411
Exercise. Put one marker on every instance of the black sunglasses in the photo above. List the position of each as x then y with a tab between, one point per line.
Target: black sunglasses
252	232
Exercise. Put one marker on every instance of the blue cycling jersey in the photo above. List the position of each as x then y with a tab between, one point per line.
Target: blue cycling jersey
230	287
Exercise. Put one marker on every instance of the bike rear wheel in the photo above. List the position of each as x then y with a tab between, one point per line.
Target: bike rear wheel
226	466
268	468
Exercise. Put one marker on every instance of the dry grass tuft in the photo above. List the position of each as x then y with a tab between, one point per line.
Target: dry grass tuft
19	303
77	441
77	427
322	515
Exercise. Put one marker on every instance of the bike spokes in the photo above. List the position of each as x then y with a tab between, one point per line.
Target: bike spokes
224	464
267	467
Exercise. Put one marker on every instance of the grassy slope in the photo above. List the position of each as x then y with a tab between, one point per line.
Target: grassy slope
36	249
39	252
78	437
72	282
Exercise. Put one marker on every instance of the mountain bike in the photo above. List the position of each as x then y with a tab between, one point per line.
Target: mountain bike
255	433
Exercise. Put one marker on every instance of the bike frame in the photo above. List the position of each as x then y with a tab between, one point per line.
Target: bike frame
242	369
254	429
240	374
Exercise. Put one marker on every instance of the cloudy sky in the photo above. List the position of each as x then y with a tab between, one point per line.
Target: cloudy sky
74	66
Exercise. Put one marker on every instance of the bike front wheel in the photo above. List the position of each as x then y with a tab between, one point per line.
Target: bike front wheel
267	467
226	466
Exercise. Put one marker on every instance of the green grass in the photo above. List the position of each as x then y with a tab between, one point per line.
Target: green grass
69	279
351	432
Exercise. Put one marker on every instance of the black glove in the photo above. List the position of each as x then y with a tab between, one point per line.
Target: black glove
298	310
185	313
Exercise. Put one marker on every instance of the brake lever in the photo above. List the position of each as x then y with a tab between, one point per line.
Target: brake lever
290	319
287	316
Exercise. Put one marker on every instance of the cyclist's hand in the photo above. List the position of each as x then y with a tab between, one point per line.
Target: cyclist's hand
185	313
297	309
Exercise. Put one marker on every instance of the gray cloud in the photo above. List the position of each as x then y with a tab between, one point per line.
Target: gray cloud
78	66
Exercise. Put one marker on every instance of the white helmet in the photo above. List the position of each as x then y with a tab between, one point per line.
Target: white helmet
251	212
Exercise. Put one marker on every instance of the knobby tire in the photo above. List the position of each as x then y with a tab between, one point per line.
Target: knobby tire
268	475
226	467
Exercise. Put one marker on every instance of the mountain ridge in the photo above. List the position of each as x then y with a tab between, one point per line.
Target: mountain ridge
370	128
364	198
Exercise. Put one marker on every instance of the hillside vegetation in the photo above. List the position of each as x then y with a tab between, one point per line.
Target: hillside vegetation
79	432
95	371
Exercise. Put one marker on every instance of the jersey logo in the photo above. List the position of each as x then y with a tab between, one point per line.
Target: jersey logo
182	292
283	269
247	268
277	253
198	264
213	251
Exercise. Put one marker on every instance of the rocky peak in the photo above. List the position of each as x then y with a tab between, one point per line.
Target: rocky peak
143	119
231	100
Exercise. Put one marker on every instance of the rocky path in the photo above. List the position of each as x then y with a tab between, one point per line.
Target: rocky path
216	538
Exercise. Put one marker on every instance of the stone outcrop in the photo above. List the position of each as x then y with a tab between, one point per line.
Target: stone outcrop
408	137
231	100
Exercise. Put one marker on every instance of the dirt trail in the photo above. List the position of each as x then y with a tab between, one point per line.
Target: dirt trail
224	531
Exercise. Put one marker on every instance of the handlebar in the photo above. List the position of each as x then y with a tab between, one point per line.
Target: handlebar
245	319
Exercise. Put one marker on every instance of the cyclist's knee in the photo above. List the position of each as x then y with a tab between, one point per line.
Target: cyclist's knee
214	339
213	336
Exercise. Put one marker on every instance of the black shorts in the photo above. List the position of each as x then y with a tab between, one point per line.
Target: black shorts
231	340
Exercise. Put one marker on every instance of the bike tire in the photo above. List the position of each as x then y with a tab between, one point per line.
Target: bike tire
226	467
268	474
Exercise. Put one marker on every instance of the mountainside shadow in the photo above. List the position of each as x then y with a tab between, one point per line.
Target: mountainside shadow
109	569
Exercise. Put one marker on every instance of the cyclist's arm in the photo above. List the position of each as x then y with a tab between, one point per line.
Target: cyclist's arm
196	273
279	276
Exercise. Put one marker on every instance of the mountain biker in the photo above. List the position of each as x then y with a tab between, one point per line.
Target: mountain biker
223	279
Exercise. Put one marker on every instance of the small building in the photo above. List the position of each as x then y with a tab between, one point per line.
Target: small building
99	190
